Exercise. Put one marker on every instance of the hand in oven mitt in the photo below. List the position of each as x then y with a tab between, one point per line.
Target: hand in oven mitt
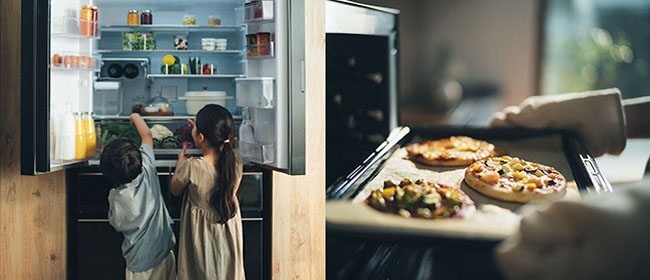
602	237
596	116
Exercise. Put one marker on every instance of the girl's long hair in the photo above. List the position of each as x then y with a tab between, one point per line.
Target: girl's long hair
216	125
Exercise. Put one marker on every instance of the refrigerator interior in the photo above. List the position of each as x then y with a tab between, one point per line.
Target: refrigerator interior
253	74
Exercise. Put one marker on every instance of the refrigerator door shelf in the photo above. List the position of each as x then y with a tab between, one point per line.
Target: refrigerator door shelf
255	152
256	92
258	12
72	27
75	61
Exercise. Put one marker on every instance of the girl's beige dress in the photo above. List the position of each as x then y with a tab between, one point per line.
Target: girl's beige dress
207	249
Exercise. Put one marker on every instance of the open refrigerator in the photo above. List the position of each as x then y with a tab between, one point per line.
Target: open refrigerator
86	66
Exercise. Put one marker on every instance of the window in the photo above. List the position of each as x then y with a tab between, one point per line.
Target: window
595	44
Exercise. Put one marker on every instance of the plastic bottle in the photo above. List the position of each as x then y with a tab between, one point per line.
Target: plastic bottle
246	131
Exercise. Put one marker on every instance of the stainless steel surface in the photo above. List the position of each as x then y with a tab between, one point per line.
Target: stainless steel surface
348	17
297	88
393	115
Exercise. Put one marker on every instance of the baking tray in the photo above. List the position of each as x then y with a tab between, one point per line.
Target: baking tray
348	215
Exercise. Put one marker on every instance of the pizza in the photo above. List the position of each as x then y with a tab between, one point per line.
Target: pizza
513	179
421	199
452	151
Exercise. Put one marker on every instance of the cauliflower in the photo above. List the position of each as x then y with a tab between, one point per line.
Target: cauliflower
159	132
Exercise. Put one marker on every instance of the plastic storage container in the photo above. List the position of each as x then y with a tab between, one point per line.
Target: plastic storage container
108	98
255	92
195	100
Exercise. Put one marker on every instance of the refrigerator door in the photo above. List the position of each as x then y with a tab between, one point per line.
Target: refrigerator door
273	91
57	70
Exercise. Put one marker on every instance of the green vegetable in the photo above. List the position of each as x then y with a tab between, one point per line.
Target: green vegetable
135	41
156	143
170	142
111	131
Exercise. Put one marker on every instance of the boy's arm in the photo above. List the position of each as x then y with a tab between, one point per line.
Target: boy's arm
142	128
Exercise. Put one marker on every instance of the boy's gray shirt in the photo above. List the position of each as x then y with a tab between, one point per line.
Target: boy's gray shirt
138	211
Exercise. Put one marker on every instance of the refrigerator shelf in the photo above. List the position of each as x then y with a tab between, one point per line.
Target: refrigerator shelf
190	76
153	118
173	28
170	51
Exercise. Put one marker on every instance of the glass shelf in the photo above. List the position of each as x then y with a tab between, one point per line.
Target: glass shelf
171	51
153	118
173	28
190	76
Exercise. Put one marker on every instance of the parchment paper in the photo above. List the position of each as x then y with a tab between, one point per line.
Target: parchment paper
494	219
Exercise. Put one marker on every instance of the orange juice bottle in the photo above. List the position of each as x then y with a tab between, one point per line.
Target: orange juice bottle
80	137
91	141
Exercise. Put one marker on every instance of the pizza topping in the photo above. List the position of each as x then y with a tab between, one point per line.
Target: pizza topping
420	199
490	177
550	182
539	173
519	175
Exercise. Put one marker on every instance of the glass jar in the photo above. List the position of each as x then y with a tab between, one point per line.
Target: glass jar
80	137
146	17
95	25
86	18
132	18
189	20
214	20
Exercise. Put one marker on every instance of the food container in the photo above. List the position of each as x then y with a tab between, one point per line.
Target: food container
107	98
214	20
195	100
146	18
189	20
158	106
180	43
138	41
132	18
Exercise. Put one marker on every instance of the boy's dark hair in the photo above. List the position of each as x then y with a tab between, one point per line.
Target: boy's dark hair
121	161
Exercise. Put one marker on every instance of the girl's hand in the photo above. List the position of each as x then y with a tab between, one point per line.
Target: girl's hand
182	157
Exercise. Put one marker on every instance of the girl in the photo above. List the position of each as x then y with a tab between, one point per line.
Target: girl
210	243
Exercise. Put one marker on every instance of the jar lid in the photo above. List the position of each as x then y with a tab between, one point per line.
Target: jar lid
93	7
188	16
133	11
85	7
146	11
213	17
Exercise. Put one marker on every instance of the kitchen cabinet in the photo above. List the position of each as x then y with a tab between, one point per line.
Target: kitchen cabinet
89	231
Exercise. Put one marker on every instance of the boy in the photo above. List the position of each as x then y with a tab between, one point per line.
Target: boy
136	206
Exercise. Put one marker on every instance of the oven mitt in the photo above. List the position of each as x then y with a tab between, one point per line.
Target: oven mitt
596	117
603	237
